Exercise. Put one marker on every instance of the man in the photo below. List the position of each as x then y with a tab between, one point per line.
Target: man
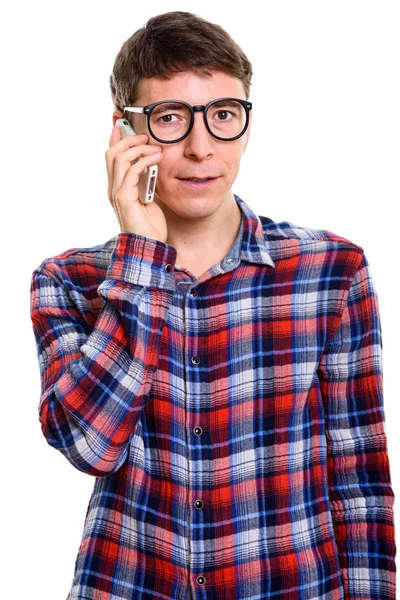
220	374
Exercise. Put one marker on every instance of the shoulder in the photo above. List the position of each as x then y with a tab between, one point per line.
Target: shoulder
302	247
288	231
78	261
69	280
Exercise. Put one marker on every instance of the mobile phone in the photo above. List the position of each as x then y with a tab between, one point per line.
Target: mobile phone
148	178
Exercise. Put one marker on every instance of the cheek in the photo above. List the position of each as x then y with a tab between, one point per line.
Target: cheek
232	162
166	164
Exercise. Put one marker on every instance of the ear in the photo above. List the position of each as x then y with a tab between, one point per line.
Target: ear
117	114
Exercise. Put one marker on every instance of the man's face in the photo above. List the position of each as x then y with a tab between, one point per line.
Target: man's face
199	154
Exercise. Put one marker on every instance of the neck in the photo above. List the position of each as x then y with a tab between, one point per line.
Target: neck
206	237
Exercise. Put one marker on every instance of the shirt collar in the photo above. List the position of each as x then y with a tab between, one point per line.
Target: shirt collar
252	241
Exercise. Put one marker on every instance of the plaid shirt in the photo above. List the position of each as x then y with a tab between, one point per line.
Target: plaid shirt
234	423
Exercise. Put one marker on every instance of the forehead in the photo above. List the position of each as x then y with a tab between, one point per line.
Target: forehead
190	87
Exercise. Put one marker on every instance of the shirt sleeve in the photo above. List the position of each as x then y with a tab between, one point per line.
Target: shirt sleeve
360	488
95	383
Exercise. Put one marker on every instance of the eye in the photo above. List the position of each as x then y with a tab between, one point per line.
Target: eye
167	117
223	112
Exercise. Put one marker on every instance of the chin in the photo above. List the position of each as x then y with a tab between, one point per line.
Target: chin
191	206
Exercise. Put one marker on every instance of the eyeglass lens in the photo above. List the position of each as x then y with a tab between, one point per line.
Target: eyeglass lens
170	121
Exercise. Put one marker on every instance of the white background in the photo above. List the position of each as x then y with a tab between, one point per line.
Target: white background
323	153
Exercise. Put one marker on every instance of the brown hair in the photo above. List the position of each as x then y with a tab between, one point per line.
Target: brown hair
170	43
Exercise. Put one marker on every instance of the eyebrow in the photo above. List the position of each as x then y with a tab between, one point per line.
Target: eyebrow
227	103
166	106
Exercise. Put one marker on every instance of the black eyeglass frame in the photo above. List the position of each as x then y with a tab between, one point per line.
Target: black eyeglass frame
147	110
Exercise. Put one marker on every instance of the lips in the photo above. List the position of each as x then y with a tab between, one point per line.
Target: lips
196	178
196	184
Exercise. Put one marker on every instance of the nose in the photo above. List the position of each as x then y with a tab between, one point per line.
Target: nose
199	142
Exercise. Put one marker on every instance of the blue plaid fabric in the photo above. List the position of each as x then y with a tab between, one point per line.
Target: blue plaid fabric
234	423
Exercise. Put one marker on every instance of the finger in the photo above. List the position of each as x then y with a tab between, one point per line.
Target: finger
127	140
128	191
117	145
131	178
123	162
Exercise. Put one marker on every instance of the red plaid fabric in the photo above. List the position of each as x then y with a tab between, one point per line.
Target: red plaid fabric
234	423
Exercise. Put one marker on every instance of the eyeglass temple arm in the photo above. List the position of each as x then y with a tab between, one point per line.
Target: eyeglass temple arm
133	109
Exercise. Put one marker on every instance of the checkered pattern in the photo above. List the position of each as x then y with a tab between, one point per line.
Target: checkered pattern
234	423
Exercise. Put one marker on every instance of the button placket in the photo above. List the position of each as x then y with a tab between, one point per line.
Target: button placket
197	430
200	579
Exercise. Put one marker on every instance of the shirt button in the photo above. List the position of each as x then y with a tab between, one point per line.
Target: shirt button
201	580
195	360
168	267
230	261
194	294
199	504
197	431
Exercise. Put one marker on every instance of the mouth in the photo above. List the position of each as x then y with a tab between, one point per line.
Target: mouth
198	182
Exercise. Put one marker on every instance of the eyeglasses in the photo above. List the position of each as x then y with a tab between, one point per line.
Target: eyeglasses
170	121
